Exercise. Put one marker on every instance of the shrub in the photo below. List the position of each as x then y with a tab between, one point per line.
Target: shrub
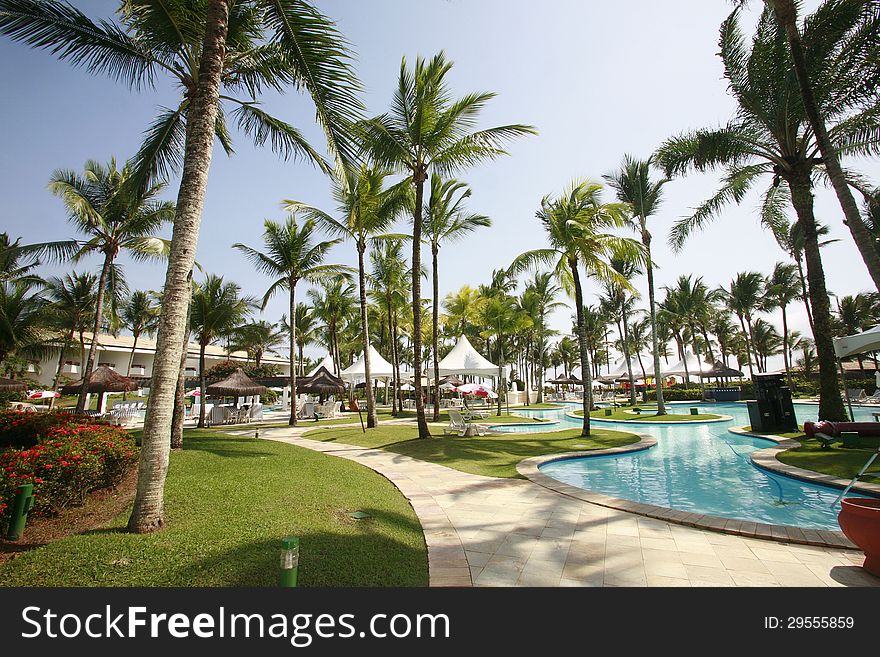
227	367
64	456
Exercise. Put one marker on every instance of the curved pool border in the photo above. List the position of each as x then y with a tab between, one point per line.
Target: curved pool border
530	469
765	459
720	418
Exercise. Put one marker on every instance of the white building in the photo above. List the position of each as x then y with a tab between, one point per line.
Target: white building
116	351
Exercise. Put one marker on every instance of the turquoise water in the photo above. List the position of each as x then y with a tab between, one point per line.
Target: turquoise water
701	468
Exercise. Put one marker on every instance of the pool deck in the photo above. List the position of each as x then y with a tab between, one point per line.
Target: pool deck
485	531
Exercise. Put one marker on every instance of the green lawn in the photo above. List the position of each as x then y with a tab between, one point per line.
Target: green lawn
540	406
836	461
647	415
493	456
229	501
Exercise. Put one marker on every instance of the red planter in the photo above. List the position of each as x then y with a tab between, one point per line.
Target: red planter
859	518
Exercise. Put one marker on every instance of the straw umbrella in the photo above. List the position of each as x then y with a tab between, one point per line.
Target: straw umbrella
237	384
102	380
323	382
10	385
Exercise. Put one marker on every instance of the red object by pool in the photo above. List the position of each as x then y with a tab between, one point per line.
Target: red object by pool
859	518
836	428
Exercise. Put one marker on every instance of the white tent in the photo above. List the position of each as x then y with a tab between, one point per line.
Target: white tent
857	344
694	366
464	359
327	362
379	368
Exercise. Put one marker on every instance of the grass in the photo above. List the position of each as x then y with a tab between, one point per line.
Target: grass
492	456
229	501
836	461
647	415
536	406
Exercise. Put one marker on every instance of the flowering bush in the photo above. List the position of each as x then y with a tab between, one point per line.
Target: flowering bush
64	456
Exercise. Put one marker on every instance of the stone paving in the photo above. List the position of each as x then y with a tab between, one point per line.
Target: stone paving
484	531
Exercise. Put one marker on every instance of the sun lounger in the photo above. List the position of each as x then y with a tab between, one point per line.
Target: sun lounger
856	394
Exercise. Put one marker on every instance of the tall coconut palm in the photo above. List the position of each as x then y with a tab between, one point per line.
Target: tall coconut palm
462	308
333	303
576	225
633	185
780	289
389	282
217	308
114	216
855	17
277	44
771	135
71	312
502	319
427	131
623	304
542	289
293	253
743	298
366	210
257	339
140	316
445	220
306	330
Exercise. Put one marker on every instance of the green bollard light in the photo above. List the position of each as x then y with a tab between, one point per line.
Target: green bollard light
289	562
21	505
607	411
695	411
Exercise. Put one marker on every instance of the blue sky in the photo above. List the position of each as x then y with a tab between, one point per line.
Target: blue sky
597	79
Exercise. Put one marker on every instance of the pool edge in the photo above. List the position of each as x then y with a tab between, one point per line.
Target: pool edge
530	469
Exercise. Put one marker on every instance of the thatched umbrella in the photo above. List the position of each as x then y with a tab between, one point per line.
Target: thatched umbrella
721	371
237	384
10	385
323	382
102	380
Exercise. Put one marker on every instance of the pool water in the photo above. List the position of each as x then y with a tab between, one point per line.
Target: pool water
701	468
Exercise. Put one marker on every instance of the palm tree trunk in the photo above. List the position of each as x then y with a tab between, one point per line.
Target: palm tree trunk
627	357
418	178
500	371
396	404
99	311
655	343
830	402
372	418
202	386
785	354
148	513
134	335
435	320
60	368
786	16
292	340
742	324
699	364
804	294
586	377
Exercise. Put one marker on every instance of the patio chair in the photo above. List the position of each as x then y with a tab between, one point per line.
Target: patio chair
873	399
856	394
219	415
457	424
255	413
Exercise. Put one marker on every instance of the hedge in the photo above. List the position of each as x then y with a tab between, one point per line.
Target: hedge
64	456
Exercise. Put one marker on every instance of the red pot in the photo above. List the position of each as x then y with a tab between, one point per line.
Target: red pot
859	518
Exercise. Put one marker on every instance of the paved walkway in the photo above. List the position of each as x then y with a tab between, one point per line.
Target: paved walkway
486	531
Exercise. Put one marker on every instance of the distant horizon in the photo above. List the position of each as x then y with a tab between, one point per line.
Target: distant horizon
597	81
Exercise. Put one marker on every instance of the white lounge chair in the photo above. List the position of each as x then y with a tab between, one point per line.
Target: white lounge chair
856	394
459	424
218	415
255	412
872	399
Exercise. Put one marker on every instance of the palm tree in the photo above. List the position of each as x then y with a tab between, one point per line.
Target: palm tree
445	220
462	308
217	308
293	253
114	216
257	339
766	342
18	261
23	326
854	314
623	305
366	211
743	298
334	304
139	315
633	185
71	311
277	44
306	330
388	280
424	131
502	320
771	135
854	17
780	289
575	224
542	290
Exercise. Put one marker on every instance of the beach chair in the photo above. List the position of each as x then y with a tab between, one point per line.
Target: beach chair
457	424
255	413
856	394
872	399
218	415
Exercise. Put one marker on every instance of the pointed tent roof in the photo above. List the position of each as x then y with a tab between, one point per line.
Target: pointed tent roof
695	366
464	359
323	382
102	379
237	384
327	364
859	343
379	368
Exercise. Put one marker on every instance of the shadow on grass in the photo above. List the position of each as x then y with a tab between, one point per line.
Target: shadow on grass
225	446
358	555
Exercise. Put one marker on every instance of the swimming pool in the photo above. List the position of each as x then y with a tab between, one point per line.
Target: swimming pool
701	468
